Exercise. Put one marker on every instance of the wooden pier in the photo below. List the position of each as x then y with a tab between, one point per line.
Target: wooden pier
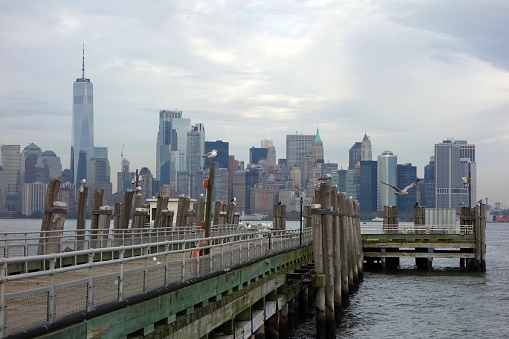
465	242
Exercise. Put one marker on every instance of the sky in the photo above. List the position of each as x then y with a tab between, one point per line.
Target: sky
408	73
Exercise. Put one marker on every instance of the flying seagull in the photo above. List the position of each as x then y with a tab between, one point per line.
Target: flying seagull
403	191
210	155
326	176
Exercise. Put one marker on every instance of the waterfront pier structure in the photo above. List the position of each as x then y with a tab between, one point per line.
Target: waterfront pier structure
428	239
168	281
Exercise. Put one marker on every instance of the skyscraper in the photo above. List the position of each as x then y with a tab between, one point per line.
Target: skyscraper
82	139
10	161
354	155
366	154
454	160
406	174
222	159
368	185
172	137
386	172
298	146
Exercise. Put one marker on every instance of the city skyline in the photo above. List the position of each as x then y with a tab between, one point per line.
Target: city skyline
409	74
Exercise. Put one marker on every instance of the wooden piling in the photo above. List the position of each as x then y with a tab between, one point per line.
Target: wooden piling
52	190
422	263
345	277
336	255
358	241
104	225
126	210
94	220
480	234
230	213
56	226
200	210
159	209
319	283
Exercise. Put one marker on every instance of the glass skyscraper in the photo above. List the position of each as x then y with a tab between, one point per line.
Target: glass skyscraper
386	172
82	139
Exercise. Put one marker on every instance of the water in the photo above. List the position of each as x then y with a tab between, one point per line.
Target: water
443	303
408	303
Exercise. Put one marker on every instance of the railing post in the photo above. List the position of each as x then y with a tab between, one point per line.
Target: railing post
90	295
121	275
52	295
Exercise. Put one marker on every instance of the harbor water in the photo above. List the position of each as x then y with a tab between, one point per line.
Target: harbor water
408	303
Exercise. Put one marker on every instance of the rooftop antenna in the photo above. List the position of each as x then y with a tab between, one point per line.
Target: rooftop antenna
83	64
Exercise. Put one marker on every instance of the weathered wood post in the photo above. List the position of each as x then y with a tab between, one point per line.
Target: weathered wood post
104	225
306	213
336	254
52	190
319	278
217	211
345	277
183	206
279	217
140	217
94	220
56	226
230	213
158	212
466	222
352	246
81	217
359	256
126	210
422	263
200	210
391	222
117	236
480	237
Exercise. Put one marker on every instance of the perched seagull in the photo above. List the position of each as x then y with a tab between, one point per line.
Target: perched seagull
233	201
403	191
212	154
326	176
82	185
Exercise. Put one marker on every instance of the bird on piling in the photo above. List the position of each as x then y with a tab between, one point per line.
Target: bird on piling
210	155
403	191
233	201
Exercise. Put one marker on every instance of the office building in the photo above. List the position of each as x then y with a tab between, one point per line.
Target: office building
368	185
366	154
354	155
405	175
11	164
386	172
33	197
171	137
82	138
298	146
195	149
222	159
317	149
454	160
256	154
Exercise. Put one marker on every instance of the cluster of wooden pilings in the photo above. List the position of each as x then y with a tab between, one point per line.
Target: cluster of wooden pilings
338	255
475	216
55	212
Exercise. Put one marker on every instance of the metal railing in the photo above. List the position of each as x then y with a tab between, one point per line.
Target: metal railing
417	229
31	300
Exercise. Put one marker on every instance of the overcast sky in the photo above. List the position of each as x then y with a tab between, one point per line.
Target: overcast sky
409	73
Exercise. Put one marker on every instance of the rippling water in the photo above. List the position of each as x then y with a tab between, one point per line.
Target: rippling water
443	303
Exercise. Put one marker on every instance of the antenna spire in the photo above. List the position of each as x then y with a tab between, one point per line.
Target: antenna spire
83	64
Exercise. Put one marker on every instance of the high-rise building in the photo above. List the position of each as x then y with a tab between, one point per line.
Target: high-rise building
222	159
256	154
172	137
354	155
146	183
405	175
450	190
271	152
82	139
386	172
367	185
195	149
298	146
33	198
317	149
366	154
11	163
50	160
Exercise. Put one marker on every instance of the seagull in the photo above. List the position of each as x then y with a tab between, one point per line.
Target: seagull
233	201
82	185
210	155
416	204
279	203
326	176
403	191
